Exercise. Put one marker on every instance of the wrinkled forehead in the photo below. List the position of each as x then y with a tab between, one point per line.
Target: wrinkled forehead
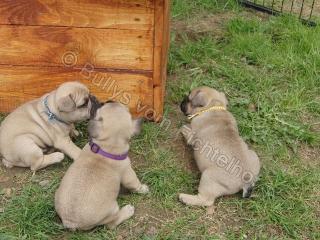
80	93
205	91
114	110
73	88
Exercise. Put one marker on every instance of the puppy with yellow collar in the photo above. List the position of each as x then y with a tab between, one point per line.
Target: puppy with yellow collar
226	163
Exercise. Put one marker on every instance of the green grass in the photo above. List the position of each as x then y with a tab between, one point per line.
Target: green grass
32	214
271	66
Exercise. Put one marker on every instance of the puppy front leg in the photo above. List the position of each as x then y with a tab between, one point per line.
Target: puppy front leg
68	147
131	181
187	133
74	132
120	216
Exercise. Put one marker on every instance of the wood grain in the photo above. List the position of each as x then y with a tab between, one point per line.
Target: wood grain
161	46
44	43
119	14
104	48
21	84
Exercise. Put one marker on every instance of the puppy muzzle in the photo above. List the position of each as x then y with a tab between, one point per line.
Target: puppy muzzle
95	105
91	129
183	105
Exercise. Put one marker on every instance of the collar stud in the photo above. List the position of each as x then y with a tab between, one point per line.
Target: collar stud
94	148
210	109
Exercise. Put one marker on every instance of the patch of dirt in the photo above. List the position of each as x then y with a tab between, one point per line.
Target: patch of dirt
315	127
211	24
223	217
14	177
184	153
313	121
148	219
309	155
11	181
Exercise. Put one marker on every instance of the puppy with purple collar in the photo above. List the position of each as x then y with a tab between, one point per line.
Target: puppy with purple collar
87	195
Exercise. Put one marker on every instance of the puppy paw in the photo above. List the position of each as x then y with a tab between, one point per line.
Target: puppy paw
74	133
124	214
6	163
57	156
128	210
183	198
144	189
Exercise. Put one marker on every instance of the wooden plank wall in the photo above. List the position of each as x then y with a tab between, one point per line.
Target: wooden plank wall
22	84
46	42
161	48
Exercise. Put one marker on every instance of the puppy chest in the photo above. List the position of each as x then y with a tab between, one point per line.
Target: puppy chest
117	48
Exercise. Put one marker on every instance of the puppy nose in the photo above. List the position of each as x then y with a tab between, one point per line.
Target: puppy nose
183	105
95	105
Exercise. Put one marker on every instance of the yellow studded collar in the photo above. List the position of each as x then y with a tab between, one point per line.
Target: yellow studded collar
213	108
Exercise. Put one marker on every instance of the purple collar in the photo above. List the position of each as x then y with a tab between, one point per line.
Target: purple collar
95	148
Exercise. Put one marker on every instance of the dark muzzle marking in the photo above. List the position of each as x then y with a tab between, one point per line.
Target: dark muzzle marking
95	105
183	105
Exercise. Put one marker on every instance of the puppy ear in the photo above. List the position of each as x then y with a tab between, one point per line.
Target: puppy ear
137	125
199	100
66	104
224	99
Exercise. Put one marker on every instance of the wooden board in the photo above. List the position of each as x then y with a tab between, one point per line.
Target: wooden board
160	58
48	46
120	14
44	43
21	84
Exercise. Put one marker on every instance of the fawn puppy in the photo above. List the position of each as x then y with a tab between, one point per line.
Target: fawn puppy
226	163
87	196
37	134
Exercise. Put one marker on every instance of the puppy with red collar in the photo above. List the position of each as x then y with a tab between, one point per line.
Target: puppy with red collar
87	195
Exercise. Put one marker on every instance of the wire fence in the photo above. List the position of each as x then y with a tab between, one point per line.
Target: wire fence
306	10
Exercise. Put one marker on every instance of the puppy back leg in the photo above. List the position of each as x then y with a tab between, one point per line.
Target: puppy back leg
6	163
32	156
247	190
255	165
208	191
120	216
195	200
131	181
48	160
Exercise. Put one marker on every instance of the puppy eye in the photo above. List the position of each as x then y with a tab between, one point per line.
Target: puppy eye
196	105
100	119
85	103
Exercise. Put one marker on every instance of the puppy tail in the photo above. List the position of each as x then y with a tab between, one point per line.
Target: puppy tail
247	190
